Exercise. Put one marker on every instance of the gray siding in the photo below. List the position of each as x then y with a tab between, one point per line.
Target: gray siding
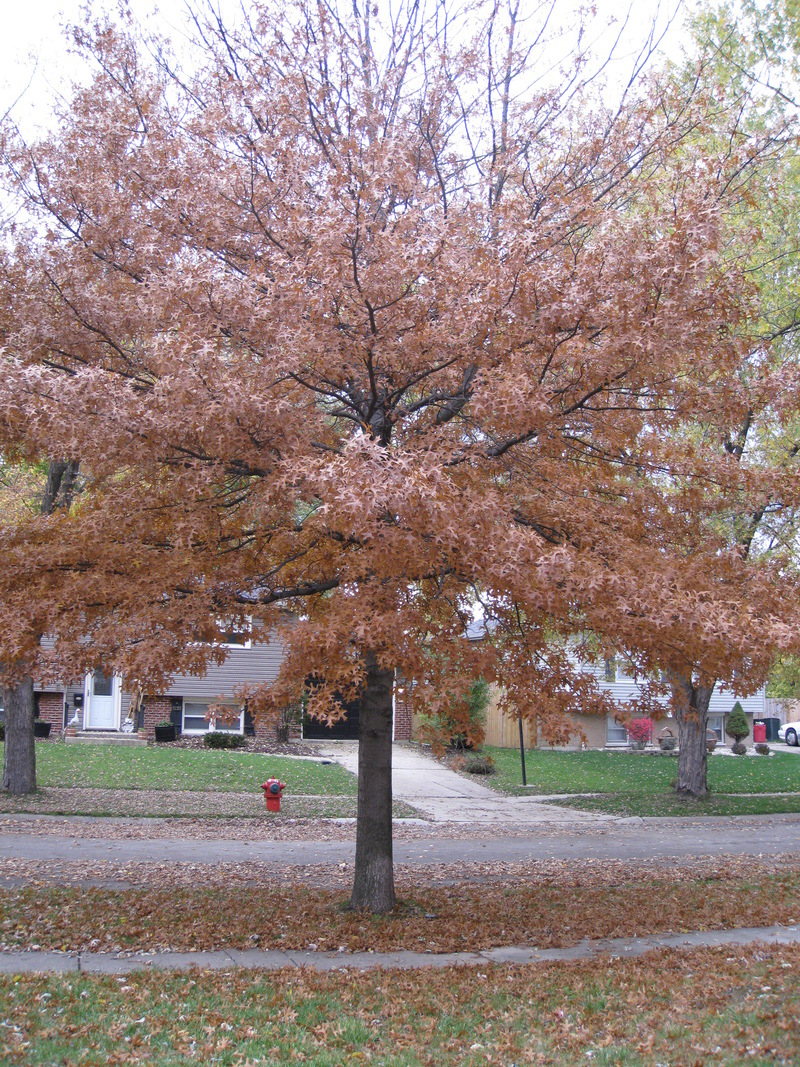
258	664
721	703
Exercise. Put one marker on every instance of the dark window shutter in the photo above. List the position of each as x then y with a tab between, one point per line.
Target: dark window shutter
176	713
249	724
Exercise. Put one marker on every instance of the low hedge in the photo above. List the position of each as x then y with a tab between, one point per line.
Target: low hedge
218	739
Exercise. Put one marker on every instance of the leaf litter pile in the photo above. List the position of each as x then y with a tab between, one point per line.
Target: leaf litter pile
459	907
705	1007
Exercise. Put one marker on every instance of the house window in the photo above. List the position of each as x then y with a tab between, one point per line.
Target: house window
103	686
610	670
230	634
715	723
231	723
196	719
616	734
235	635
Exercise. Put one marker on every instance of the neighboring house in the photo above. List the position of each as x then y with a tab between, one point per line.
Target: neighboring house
607	732
101	704
604	731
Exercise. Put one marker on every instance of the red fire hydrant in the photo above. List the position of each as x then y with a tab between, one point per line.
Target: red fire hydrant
272	793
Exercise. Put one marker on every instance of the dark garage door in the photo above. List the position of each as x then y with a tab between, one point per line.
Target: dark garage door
345	729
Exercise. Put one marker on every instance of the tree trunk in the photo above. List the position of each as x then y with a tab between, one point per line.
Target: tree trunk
691	713
19	765
59	489
373	881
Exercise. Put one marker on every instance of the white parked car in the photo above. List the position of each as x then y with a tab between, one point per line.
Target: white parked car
790	733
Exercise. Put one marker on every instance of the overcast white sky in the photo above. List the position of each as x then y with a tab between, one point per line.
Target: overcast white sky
33	58
33	49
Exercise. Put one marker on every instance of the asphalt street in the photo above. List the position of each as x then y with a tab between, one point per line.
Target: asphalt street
636	839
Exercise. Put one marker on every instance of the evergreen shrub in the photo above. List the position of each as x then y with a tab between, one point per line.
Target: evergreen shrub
220	739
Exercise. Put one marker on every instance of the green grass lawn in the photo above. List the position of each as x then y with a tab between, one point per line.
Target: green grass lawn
632	772
165	767
711	1007
631	783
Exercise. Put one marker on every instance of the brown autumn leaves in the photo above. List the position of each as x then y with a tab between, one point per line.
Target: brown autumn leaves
346	342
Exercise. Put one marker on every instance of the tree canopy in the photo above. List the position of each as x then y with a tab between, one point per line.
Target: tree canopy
353	324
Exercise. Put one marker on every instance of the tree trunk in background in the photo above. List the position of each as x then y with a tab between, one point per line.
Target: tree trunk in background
373	881
19	767
691	713
59	489
19	764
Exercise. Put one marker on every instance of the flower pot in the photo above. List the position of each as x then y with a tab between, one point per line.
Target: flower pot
667	741
165	733
41	729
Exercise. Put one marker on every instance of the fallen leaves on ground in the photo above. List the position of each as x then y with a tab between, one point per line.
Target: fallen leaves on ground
442	909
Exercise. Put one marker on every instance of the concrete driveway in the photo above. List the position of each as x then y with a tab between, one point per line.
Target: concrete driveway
444	796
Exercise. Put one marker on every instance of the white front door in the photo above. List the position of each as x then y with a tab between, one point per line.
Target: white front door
101	702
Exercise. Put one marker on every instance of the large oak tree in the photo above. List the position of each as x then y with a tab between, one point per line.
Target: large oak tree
358	318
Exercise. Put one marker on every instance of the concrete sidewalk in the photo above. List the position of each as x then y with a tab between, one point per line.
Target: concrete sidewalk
444	796
273	960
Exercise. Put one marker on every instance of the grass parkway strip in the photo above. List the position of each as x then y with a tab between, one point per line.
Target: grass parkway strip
179	907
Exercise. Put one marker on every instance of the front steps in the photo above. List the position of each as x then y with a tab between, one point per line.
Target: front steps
104	737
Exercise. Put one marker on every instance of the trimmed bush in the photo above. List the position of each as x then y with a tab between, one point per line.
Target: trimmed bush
736	725
762	749
220	739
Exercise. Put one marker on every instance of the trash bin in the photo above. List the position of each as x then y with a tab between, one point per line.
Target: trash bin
773	725
759	732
